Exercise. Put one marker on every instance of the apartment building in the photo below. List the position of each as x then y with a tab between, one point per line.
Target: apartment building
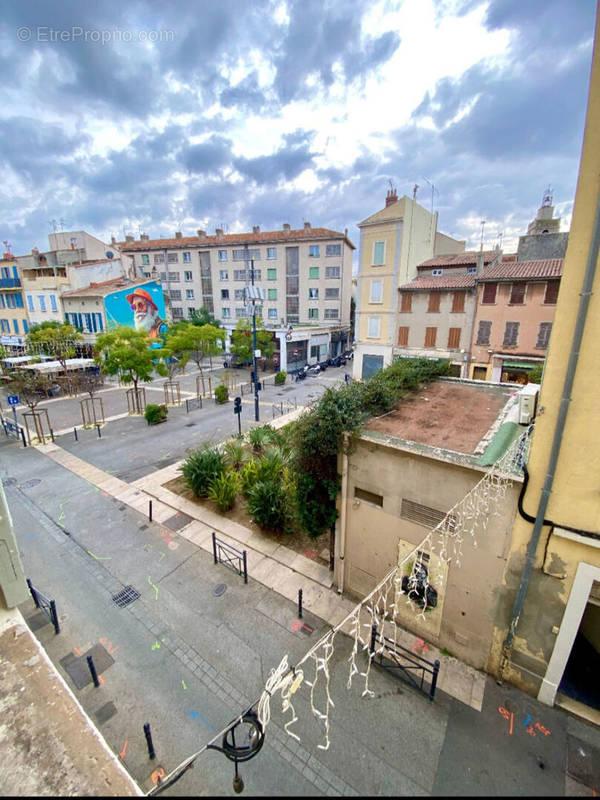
74	260
306	275
14	322
393	242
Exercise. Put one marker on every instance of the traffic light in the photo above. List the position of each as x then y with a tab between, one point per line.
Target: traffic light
237	405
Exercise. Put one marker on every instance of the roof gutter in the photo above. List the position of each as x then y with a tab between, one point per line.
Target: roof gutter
584	301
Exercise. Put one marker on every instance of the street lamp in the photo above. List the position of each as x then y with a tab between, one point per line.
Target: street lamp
254	293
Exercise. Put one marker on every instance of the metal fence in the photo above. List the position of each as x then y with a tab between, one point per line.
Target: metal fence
230	557
193	403
284	407
47	606
404	662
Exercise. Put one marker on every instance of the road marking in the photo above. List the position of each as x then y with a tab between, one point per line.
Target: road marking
156	646
77	651
124	750
98	558
155	587
62	513
198	715
183	684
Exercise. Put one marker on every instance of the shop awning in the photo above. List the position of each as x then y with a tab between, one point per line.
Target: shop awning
521	364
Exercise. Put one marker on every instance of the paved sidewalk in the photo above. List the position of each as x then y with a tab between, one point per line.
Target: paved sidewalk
275	566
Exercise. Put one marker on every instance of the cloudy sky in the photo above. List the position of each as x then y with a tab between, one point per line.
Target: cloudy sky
153	116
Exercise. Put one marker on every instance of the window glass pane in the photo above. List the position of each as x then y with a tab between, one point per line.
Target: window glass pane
271	274
376	291
378	253
271	252
333	250
313	273
374	323
313	250
272	294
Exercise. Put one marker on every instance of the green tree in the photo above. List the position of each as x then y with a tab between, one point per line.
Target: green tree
55	339
241	339
203	317
31	386
195	342
126	352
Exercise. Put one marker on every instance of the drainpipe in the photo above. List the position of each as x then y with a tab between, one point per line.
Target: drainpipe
584	301
342	548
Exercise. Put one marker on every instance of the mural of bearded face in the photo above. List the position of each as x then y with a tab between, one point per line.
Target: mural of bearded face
145	313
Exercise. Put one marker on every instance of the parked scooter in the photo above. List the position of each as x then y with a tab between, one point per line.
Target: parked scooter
314	369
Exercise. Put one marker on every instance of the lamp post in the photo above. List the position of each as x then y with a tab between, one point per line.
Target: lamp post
254	361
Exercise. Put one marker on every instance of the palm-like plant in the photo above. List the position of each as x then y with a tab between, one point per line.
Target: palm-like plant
235	454
223	490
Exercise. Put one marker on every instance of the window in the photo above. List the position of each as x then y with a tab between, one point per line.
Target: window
240	255
422	515
430	337
517	293
173	258
271	274
313	273
333	250
332	313
378	254
313	313
332	272
147	275
25	326
511	334
313	294
145	259
271	252
332	294
489	292
174	277
376	295
222	255
226	313
406	302
42	302
544	332
187	275
2	303
437	272
239	274
271	294
191	311
551	292
163	276
272	313
224	294
458	302
53	305
187	257
159	258
313	250
471	270
16	325
189	294
453	338
403	336
177	312
5	326
175	294
223	275
239	294
368	497
241	313
483	332
374	327
434	302
30	305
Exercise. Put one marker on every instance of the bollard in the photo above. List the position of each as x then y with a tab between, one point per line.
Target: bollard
214	541
51	434
54	615
23	437
244	558
436	669
299	603
148	736
150	510
99	434
90	662
75	432
373	640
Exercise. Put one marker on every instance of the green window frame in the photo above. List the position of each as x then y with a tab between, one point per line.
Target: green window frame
271	274
313	313
271	294
313	273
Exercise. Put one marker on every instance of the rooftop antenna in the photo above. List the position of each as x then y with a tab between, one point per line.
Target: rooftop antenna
416	186
433	189
61	222
54	224
392	187
500	235
547	198
7	245
482	227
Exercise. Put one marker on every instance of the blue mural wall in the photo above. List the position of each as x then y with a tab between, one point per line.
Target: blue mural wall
140	306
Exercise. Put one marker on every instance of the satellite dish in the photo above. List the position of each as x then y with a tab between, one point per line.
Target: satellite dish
110	254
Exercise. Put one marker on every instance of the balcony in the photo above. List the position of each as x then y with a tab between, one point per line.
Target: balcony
10	283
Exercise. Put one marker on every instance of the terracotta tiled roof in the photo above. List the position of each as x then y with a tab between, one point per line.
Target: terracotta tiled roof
458	259
264	237
105	287
443	283
524	270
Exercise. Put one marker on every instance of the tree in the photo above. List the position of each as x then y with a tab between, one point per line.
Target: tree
56	339
242	340
31	386
195	342
126	351
203	317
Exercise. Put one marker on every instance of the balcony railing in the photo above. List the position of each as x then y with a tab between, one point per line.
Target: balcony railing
10	283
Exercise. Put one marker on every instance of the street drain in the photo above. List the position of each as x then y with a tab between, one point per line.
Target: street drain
219	589
125	596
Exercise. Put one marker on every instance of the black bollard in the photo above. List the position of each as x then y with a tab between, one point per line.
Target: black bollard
150	510
99	434
299	603
51	434
75	432
90	662
148	736
23	437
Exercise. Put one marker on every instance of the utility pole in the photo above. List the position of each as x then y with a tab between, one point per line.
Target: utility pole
254	361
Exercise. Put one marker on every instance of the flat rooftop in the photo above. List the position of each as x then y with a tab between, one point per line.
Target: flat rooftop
446	414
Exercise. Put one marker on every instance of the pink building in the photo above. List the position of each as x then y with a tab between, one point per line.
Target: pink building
516	301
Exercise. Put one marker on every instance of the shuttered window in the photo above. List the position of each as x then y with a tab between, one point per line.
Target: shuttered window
544	332
454	338
483	332
458	302
403	336
551	292
406	305
489	293
517	293
434	302
511	334
430	337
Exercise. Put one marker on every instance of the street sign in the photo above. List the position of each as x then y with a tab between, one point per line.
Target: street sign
288	337
13	399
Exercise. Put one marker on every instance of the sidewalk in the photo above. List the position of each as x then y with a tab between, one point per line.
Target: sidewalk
275	566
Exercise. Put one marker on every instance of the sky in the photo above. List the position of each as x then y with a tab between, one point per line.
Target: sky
151	117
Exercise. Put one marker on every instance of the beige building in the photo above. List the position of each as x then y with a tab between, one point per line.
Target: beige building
392	242
306	275
14	321
408	470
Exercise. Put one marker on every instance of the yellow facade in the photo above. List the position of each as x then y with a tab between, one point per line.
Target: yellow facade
564	467
14	320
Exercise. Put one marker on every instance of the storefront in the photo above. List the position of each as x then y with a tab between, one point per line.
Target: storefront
517	371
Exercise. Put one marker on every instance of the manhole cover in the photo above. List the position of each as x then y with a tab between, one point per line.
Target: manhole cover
219	589
8	481
32	482
125	596
178	521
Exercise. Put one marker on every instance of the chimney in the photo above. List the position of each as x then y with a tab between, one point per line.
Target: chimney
479	262
178	234
201	234
144	237
35	251
391	197
256	229
345	233
307	226
113	241
129	239
219	233
286	228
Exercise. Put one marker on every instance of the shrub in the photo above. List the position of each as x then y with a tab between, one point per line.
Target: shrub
260	437
155	414
248	477
269	467
235	454
221	393
268	505
201	468
223	490
280	376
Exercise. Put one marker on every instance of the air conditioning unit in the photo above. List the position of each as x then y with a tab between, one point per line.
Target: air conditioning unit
527	402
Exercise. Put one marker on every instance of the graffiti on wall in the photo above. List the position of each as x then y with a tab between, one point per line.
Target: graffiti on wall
141	307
